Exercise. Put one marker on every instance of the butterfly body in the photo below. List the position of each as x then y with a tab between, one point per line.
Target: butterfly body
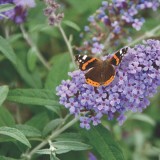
100	72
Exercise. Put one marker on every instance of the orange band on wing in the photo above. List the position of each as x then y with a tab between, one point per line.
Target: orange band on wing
109	81
92	83
117	59
85	64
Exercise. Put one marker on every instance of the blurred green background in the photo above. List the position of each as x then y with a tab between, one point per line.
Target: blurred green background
140	134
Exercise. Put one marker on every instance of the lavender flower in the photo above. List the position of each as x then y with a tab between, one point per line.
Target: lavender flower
91	156
19	13
97	48
52	12
111	20
137	79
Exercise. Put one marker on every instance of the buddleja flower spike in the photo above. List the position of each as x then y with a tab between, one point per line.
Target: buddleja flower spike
137	79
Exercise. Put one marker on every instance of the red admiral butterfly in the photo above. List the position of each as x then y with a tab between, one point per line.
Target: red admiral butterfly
100	72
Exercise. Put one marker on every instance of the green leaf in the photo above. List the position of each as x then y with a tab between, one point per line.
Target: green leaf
69	137
57	74
31	59
3	93
144	118
48	151
16	134
14	37
29	78
6	7
104	143
67	146
55	109
52	125
72	25
7	50
44	151
6	119
28	131
7	158
39	120
33	96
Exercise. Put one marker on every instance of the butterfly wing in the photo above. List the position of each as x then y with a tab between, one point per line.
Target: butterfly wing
117	57
93	77
108	74
86	62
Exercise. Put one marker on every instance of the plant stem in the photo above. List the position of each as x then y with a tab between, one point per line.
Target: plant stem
31	44
51	137
68	44
146	35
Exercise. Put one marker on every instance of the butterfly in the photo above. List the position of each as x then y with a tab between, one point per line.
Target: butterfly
99	72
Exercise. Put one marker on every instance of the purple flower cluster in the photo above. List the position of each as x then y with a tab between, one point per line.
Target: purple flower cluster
111	20
52	12
19	13
137	79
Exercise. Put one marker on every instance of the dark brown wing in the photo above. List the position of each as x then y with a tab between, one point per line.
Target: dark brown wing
108	73
117	57
94	75
86	62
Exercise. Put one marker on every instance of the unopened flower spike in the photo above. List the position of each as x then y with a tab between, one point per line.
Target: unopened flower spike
52	12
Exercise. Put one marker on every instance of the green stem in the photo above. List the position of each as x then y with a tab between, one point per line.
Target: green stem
146	35
50	138
31	44
68	45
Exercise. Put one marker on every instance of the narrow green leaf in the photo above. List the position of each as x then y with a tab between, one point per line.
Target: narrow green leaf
70	145
69	137
6	119
30	78
29	131
7	50
6	7
39	120
14	37
55	109
31	59
44	151
48	151
3	93
61	151
33	96
16	134
72	25
104	143
57	74
144	118
52	125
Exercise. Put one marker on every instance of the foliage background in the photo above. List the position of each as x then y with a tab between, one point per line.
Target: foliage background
32	108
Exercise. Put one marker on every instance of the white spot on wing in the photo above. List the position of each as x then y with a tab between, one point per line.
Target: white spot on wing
84	57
